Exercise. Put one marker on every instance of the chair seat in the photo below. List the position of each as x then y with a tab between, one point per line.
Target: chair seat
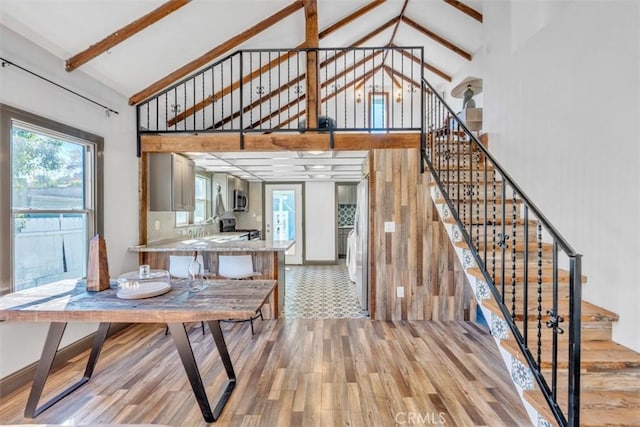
242	275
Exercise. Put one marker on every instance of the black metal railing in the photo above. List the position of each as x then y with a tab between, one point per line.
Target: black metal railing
266	90
533	274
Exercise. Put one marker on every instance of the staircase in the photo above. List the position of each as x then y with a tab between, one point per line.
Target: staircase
527	281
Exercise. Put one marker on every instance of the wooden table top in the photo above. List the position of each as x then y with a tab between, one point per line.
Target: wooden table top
67	301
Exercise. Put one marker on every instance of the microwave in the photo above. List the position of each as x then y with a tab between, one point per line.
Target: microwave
240	201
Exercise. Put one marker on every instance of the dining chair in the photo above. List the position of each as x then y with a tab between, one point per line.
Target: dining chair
239	267
179	269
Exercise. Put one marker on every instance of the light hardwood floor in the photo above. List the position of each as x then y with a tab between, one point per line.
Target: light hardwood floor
307	372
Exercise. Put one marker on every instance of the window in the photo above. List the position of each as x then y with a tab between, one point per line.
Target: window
53	208
202	209
203	199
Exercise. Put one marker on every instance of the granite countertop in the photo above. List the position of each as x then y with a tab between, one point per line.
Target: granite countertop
216	243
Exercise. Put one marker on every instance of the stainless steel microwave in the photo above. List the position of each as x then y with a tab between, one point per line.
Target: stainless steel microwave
240	203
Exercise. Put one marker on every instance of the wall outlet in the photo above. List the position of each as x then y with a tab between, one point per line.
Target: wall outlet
156	225
389	227
400	291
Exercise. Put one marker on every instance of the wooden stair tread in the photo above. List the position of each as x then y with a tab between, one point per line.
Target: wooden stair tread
498	221
589	312
619	379
597	408
546	276
533	246
597	355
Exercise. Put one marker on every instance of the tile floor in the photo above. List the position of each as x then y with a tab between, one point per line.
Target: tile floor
320	292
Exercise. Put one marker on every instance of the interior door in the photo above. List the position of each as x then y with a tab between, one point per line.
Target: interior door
283	217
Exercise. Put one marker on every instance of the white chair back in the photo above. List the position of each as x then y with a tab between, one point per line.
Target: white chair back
236	266
179	265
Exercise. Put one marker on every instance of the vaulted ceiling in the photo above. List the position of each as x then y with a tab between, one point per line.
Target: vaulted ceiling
138	47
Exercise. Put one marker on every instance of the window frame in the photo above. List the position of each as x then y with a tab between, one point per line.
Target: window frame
9	115
208	202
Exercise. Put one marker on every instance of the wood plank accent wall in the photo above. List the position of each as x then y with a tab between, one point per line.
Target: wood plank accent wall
418	255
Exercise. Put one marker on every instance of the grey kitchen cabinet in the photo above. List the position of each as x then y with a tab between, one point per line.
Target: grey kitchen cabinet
171	182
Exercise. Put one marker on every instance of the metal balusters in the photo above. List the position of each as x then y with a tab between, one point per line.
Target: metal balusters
493	227
554	323
504	238
222	95
513	258
525	290
539	281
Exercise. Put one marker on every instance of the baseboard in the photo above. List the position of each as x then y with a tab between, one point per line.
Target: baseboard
24	376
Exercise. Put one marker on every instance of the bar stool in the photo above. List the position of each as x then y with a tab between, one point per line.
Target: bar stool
239	267
179	269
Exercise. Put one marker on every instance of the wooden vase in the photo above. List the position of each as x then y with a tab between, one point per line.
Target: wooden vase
97	268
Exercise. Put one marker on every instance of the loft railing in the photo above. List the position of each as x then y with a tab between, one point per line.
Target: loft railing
536	285
266	90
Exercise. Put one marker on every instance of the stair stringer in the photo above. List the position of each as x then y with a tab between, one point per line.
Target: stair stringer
520	374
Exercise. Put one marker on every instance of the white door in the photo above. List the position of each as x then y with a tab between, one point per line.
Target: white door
283	217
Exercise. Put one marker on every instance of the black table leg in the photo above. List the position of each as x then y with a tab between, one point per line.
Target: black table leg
56	330
181	340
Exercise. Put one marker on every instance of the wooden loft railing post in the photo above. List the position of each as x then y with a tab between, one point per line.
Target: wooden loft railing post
312	42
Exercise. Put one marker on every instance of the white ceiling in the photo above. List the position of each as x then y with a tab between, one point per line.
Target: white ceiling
286	165
67	27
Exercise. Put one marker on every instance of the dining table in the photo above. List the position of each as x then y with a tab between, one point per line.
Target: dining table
69	301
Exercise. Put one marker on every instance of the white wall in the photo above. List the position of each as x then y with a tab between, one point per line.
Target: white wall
320	221
562	110
22	343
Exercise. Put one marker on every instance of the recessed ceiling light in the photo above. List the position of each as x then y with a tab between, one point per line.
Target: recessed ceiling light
319	167
316	152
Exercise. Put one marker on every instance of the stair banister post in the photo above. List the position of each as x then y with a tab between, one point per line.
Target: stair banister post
575	309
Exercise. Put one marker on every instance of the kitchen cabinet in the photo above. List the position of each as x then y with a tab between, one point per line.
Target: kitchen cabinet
171	182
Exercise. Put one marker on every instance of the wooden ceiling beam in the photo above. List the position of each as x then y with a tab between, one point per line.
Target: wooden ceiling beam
352	68
444	42
465	9
348	19
207	101
362	40
425	64
230	88
400	75
215	52
123	33
262	99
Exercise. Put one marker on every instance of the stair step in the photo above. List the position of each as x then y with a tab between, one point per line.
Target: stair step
532	246
597	408
591	331
589	312
546	276
619	379
594	355
473	221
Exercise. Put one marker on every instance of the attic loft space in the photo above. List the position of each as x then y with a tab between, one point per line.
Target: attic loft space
264	91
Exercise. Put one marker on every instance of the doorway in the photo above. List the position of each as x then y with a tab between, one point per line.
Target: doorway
378	111
283	218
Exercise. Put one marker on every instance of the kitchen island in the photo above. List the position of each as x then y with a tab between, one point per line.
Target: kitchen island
268	258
